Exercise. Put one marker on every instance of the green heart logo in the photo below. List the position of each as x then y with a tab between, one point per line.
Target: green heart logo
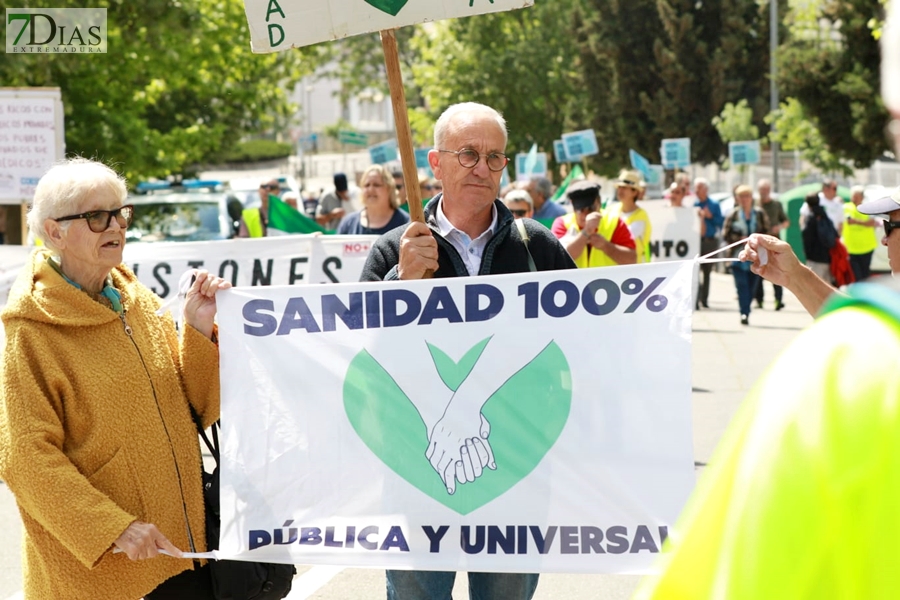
391	7
527	415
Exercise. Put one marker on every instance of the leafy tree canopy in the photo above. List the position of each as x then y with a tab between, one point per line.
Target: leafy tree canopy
178	85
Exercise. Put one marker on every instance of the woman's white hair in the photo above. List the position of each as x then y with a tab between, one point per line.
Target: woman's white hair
62	190
442	127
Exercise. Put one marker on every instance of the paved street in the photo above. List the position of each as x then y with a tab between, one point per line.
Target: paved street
727	359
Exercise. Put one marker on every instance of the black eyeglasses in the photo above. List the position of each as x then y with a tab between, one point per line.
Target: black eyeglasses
468	158
518	212
889	226
399	186
99	220
267	186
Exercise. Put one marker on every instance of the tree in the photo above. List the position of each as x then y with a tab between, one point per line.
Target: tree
711	53
521	62
833	71
795	130
615	41
178	84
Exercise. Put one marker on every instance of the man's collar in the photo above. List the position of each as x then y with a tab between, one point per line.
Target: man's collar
446	227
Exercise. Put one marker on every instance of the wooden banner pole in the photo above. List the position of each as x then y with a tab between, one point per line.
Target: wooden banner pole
401	122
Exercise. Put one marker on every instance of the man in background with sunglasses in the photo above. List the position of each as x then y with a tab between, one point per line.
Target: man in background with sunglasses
519	204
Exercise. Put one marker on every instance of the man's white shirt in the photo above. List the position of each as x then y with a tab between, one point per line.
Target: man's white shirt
470	250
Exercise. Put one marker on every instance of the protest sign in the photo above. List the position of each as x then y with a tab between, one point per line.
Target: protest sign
282	260
515	423
675	153
579	144
537	166
339	258
384	152
32	139
277	25
743	153
676	231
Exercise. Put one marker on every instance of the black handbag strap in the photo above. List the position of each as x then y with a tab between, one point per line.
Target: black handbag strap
213	446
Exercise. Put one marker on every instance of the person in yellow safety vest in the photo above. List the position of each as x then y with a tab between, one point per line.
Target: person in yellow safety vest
592	238
255	221
800	499
629	189
859	235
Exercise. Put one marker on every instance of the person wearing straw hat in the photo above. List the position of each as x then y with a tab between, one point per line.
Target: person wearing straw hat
629	189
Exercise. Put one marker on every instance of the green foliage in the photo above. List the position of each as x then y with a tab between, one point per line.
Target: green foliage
340	125
177	85
735	123
521	62
255	150
795	130
833	72
707	54
616	52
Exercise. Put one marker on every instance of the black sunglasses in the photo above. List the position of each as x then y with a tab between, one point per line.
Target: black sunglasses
266	186
98	220
889	226
519	212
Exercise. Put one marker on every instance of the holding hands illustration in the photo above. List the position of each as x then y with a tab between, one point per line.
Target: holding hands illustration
458	448
450	402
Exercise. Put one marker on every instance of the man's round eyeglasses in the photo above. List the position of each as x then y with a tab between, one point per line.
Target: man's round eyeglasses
889	226
99	220
468	158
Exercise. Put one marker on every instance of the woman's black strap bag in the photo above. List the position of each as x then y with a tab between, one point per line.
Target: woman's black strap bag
236	579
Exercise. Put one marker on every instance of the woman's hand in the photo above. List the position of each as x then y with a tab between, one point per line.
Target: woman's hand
143	540
200	302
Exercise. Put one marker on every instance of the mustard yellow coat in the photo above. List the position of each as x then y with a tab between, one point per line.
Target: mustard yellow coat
95	432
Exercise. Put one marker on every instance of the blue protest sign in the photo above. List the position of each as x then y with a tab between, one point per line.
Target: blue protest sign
580	144
422	158
384	152
539	166
640	163
743	153
676	153
559	152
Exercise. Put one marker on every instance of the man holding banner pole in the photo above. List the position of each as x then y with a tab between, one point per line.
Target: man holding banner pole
467	231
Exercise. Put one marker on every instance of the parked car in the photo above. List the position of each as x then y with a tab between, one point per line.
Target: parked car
180	215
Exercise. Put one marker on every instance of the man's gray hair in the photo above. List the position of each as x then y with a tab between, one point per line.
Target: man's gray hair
518	196
701	181
542	186
61	191
857	189
442	127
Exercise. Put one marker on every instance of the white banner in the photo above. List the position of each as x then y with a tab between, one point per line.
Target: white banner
277	25
514	423
675	232
279	260
339	258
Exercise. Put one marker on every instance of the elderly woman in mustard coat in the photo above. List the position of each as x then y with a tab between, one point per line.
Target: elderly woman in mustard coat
97	442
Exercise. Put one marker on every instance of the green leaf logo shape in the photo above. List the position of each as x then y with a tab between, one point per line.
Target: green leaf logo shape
527	415
391	7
